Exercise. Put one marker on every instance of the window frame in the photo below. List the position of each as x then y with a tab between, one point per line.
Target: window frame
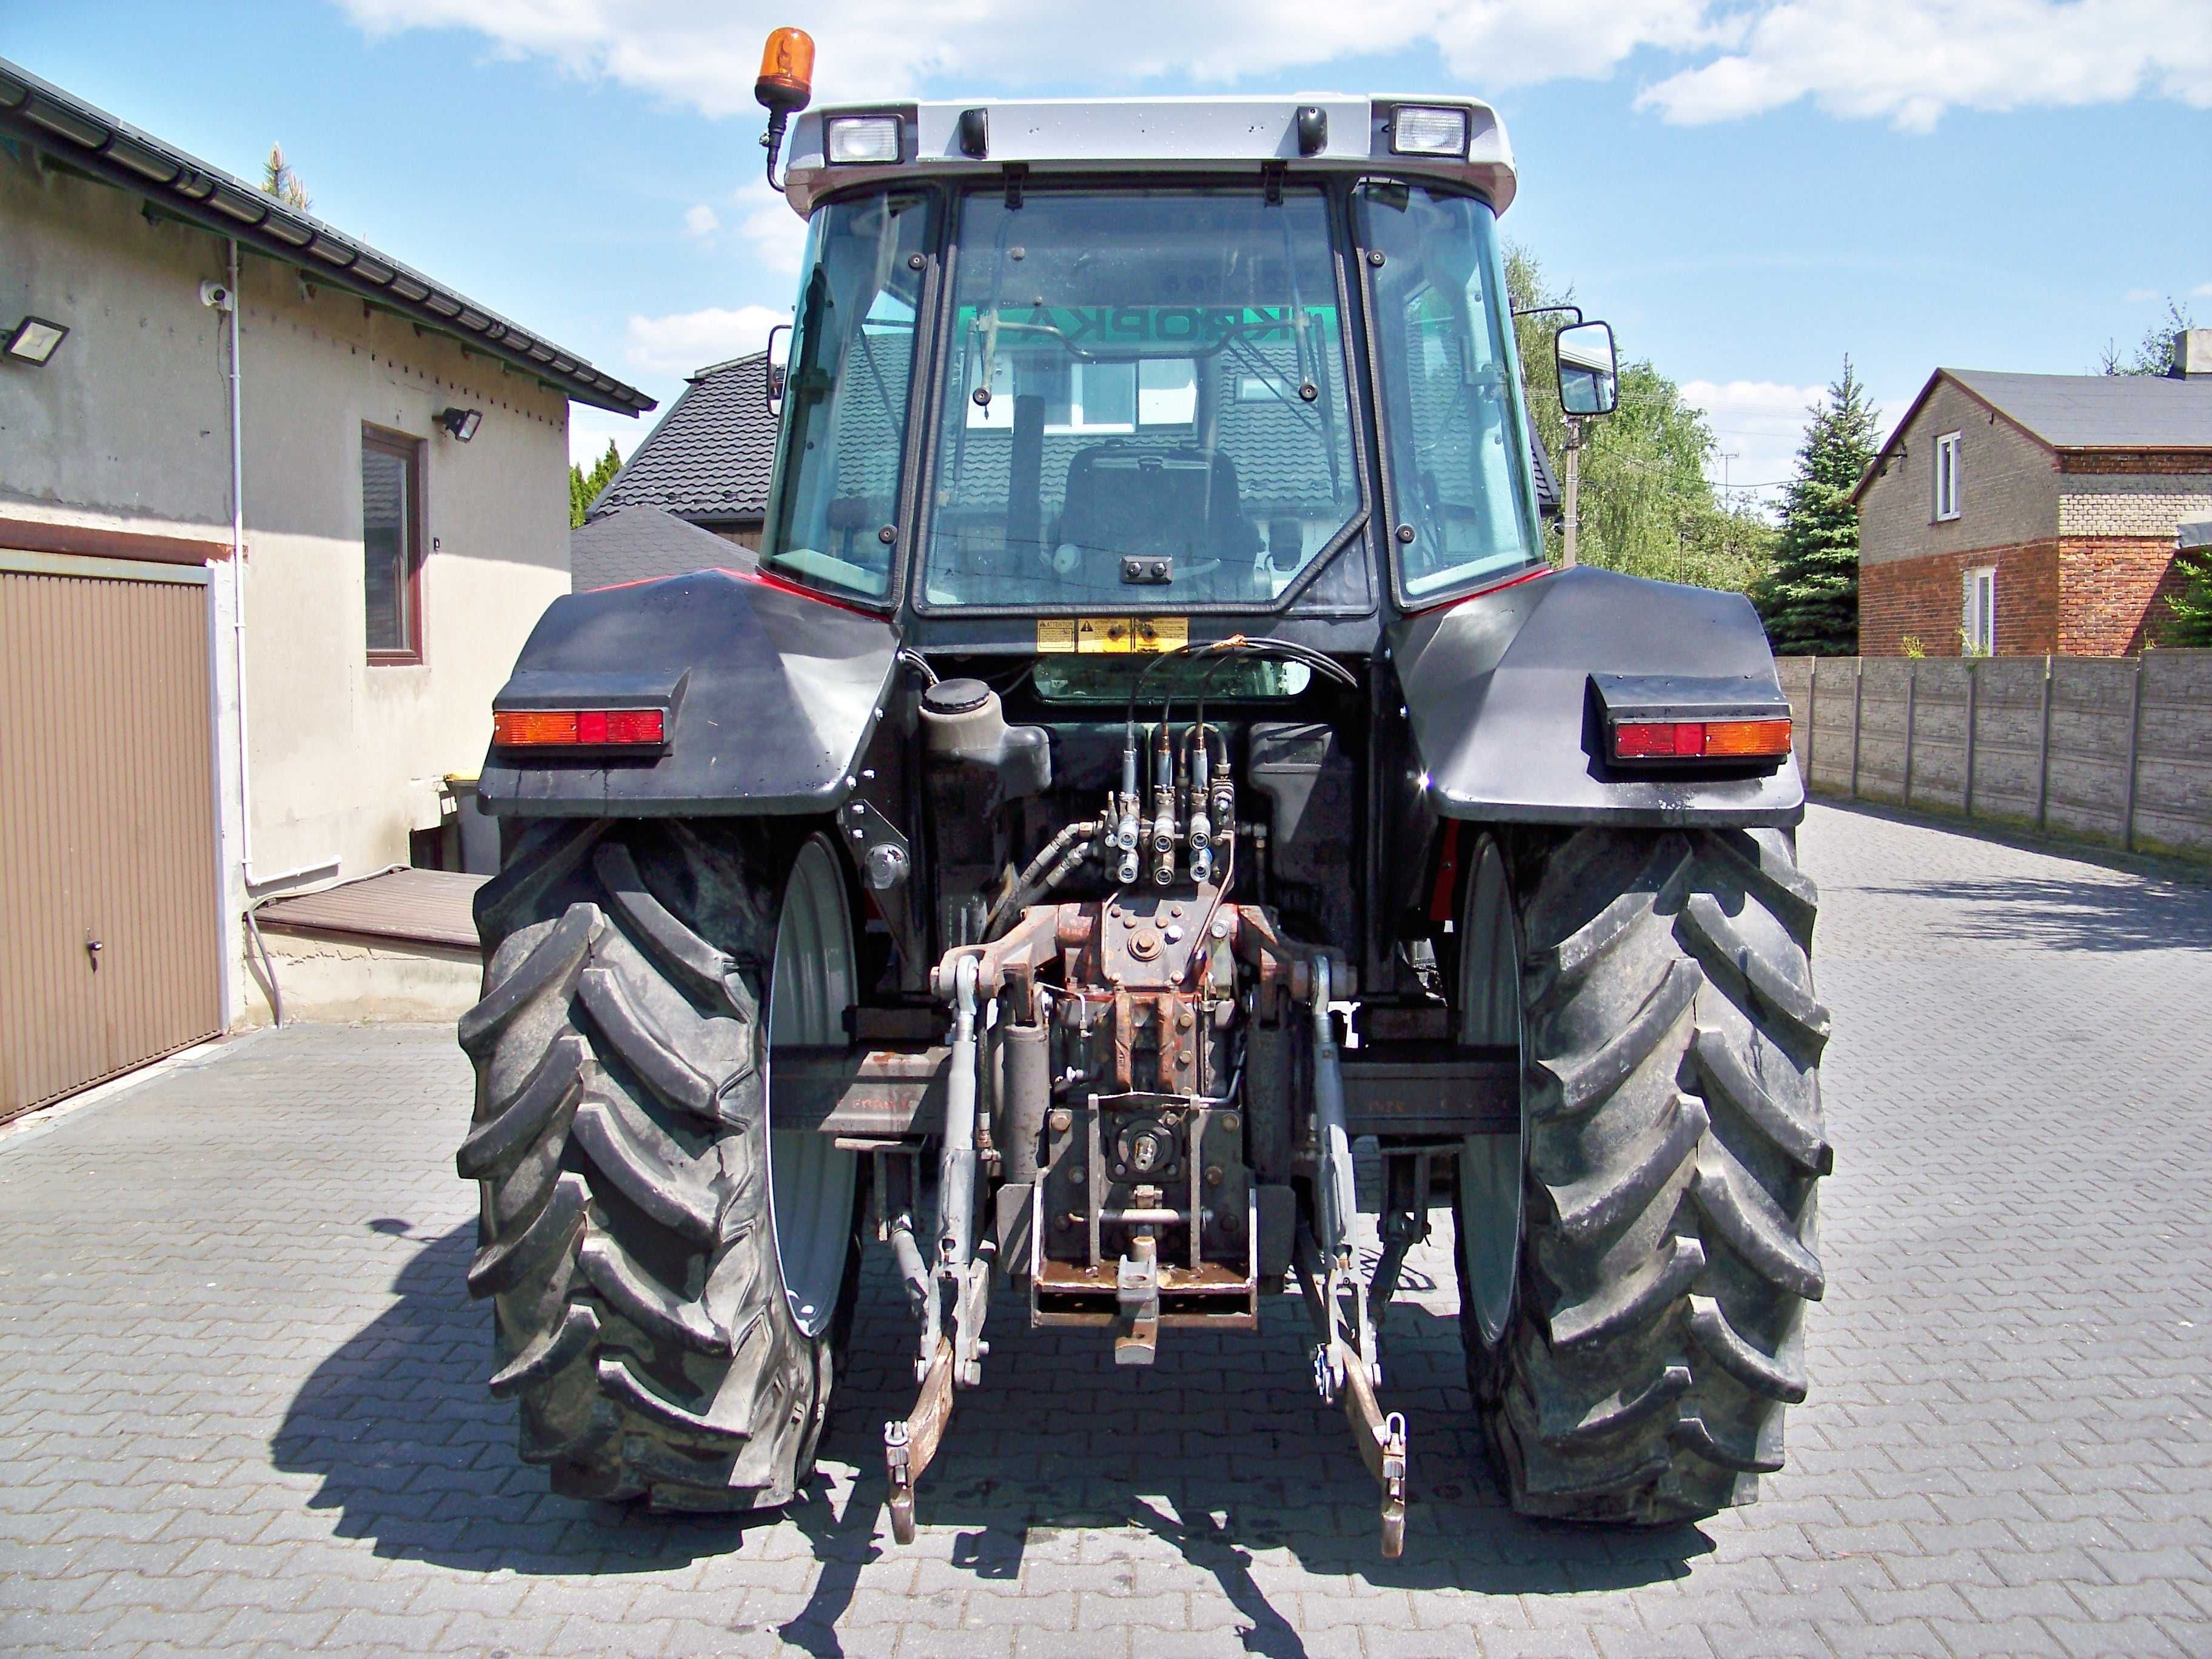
905	547
924	451
1978	576
1947	478
1380	414
409	452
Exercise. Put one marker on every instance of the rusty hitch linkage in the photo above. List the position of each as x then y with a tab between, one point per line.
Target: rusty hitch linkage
954	1359
1346	1370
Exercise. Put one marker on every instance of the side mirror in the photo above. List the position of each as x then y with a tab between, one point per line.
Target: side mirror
1589	375
778	371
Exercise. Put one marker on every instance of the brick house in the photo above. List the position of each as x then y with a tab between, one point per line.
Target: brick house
2022	515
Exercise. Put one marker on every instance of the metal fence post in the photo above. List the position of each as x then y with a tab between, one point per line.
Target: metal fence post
2135	741
2043	750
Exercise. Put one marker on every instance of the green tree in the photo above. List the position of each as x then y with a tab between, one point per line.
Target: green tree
1810	601
584	487
1646	507
2188	613
2154	352
278	179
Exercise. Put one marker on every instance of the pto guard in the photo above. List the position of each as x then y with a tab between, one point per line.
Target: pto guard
772	695
1502	692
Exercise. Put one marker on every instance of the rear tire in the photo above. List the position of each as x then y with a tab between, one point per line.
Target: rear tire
641	1319
1672	1147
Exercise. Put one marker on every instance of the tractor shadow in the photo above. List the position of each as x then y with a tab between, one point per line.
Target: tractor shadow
1218	1455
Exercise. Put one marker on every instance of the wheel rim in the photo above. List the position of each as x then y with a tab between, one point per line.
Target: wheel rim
1490	1166
810	1183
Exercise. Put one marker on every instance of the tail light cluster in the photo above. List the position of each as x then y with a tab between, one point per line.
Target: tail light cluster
1692	740
579	728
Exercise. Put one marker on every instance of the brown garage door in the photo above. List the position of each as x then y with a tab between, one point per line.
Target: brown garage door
109	953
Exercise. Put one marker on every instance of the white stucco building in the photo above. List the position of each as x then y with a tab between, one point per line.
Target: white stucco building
276	515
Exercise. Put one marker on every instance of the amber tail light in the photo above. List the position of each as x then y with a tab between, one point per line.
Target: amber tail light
579	728
1693	740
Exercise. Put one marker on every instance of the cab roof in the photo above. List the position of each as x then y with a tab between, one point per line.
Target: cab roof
1151	134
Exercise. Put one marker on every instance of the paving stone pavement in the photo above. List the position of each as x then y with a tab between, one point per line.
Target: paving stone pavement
241	1401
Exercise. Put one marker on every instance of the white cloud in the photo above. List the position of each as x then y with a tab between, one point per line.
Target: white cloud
1908	61
2202	291
1903	61
1760	424
2137	295
690	340
701	221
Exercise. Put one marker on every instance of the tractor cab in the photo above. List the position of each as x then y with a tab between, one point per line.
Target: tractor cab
1244	358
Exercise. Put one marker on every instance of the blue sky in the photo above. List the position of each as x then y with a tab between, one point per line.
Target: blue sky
1747	191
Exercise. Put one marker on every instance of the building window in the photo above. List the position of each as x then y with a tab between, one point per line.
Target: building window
391	545
1947	476
1978	632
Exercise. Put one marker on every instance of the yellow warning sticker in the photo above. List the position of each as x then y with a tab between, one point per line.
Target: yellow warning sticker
1113	636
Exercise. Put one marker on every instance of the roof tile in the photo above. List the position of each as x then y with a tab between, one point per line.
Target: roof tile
709	458
2101	411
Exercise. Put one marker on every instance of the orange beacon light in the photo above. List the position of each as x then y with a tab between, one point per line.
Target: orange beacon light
787	82
787	72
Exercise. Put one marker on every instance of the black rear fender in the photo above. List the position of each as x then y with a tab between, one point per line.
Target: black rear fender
771	695
1502	698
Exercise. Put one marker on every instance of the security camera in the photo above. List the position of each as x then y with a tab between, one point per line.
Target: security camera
216	295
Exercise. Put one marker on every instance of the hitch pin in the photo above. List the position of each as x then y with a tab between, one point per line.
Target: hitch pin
909	1447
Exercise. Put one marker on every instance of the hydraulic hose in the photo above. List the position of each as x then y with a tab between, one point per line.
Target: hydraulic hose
1046	872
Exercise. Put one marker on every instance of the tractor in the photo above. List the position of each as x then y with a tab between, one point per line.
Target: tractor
1151	750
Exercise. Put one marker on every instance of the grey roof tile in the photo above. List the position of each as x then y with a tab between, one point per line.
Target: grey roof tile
710	457
2101	411
637	544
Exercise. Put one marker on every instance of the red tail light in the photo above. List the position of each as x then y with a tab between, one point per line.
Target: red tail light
579	728
1767	740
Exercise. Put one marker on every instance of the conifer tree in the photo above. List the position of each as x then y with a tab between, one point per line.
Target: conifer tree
2188	613
279	179
584	487
1810	600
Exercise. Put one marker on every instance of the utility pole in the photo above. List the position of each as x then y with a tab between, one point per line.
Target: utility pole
1570	500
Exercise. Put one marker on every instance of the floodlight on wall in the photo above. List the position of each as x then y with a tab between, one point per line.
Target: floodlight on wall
34	340
460	423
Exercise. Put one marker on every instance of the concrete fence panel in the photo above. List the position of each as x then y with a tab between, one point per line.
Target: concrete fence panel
1942	697
1834	715
2093	707
1886	693
2111	749
2173	753
2008	738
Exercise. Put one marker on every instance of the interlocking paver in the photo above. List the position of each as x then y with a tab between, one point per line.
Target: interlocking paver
242	1393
